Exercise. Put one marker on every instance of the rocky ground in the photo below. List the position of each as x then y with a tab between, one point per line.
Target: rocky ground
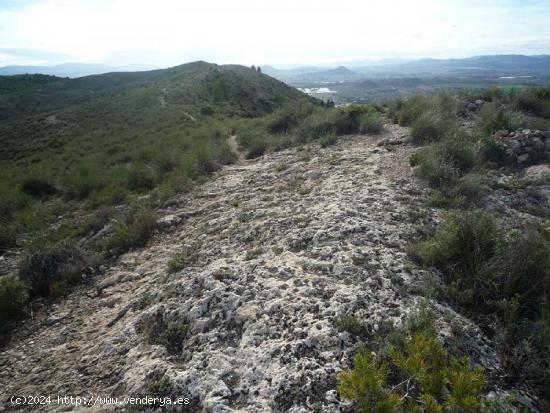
270	252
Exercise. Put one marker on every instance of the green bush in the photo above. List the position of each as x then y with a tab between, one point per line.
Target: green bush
503	281
394	109
38	188
371	122
443	163
434	166
534	101
337	121
141	179
289	117
328	140
176	263
255	142
319	123
428	379
159	329
13	299
132	229
491	152
364	385
523	271
51	270
494	117
351	324
468	191
411	109
463	244
207	110
431	126
8	235
110	195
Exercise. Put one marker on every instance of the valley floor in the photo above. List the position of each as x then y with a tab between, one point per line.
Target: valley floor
272	251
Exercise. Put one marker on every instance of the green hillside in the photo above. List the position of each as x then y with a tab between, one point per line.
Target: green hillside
85	162
239	89
99	140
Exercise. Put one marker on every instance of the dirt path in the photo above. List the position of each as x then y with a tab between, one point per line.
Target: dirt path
276	249
234	146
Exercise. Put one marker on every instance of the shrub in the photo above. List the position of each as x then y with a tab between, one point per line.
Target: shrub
176	263
394	108
38	188
371	122
252	254
434	166
254	141
13	298
503	280
337	121
443	163
173	335
523	270
459	149
346	121
132	229
160	329
431	126
207	110
289	117
411	109
494	117
351	324
256	150
468	191
491	152
535	101
424	378
364	385
141	179
462	244
328	140
8	235
110	195
319	123
51	270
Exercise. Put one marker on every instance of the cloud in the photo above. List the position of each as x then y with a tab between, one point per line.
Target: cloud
167	32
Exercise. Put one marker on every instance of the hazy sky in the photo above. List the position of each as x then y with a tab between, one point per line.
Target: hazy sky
169	32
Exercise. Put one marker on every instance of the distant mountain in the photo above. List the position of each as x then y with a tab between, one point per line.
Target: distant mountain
496	63
311	74
71	69
338	71
284	74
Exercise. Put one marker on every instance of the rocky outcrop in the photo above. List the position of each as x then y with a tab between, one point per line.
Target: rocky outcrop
524	147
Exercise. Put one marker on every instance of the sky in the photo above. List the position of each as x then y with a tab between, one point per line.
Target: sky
278	32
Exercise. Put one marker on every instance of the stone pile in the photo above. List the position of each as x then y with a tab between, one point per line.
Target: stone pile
525	146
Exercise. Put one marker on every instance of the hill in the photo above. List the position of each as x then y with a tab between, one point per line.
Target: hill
339	73
69	69
237	87
104	140
505	64
311	74
494	65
